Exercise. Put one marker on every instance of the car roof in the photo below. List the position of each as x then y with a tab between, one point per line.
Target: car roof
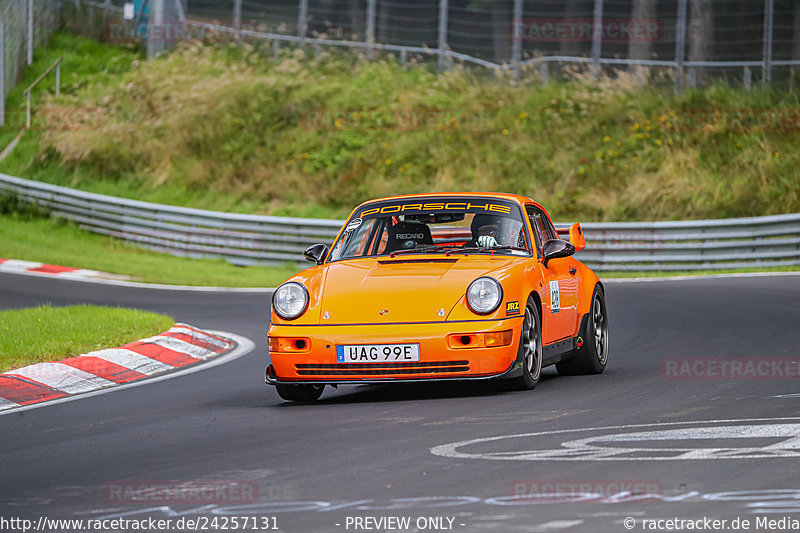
504	196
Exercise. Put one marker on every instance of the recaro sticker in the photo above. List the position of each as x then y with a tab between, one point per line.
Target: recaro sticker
555	297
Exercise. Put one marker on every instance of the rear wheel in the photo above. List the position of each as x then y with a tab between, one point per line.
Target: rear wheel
530	348
300	393
592	357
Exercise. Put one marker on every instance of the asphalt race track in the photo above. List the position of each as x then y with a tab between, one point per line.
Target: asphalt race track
697	417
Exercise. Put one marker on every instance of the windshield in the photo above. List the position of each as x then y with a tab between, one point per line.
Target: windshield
433	225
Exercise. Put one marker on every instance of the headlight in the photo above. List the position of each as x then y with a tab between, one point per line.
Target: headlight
484	295
290	300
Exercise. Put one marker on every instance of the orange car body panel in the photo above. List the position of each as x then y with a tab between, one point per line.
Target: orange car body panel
421	299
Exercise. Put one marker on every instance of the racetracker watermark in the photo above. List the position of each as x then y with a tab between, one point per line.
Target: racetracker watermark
173	240
619	30
734	120
408	119
188	492
556	490
54	118
722	368
176	31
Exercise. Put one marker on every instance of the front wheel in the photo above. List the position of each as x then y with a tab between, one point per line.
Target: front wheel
530	349
299	393
592	357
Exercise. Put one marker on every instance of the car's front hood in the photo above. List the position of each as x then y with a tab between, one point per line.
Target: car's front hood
403	289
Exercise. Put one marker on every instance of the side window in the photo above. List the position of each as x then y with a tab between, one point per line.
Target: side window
542	229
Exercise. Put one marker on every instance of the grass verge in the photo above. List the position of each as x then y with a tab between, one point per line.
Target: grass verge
56	242
47	333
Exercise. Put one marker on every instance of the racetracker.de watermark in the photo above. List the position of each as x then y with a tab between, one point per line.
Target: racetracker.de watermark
722	368
555	490
54	118
556	30
177	31
187	491
734	120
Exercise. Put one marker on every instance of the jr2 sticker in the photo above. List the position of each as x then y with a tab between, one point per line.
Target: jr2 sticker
555	297
512	308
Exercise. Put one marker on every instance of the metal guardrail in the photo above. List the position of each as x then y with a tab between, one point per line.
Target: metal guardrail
240	239
252	239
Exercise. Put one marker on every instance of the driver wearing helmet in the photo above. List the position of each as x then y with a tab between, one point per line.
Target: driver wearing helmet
493	230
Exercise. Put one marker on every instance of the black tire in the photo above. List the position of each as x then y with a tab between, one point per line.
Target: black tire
530	348
592	357
300	393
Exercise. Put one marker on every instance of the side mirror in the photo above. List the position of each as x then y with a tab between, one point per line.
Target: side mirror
576	237
555	248
316	253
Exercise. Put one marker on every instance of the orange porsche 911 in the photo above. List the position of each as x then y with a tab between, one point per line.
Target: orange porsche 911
456	286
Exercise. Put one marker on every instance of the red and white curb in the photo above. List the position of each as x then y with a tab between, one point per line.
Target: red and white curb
181	346
17	266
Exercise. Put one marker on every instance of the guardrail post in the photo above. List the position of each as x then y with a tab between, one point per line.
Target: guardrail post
155	23
2	71
516	36
748	78
597	36
544	69
30	32
443	12
680	44
371	13
302	22
237	18
769	10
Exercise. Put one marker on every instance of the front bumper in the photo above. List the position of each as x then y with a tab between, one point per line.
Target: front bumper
438	359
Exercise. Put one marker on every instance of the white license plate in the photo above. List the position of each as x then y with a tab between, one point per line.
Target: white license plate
376	353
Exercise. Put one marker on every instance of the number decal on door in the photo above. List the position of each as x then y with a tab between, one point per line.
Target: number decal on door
555	297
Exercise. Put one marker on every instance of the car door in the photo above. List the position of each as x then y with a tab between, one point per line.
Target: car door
561	283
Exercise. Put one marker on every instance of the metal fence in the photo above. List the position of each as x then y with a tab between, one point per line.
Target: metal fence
24	26
695	40
250	239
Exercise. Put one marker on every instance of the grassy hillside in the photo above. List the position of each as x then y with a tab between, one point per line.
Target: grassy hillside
233	129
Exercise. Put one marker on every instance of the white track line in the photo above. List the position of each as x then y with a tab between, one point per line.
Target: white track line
139	285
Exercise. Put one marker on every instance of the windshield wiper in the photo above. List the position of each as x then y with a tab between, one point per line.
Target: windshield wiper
422	249
482	249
